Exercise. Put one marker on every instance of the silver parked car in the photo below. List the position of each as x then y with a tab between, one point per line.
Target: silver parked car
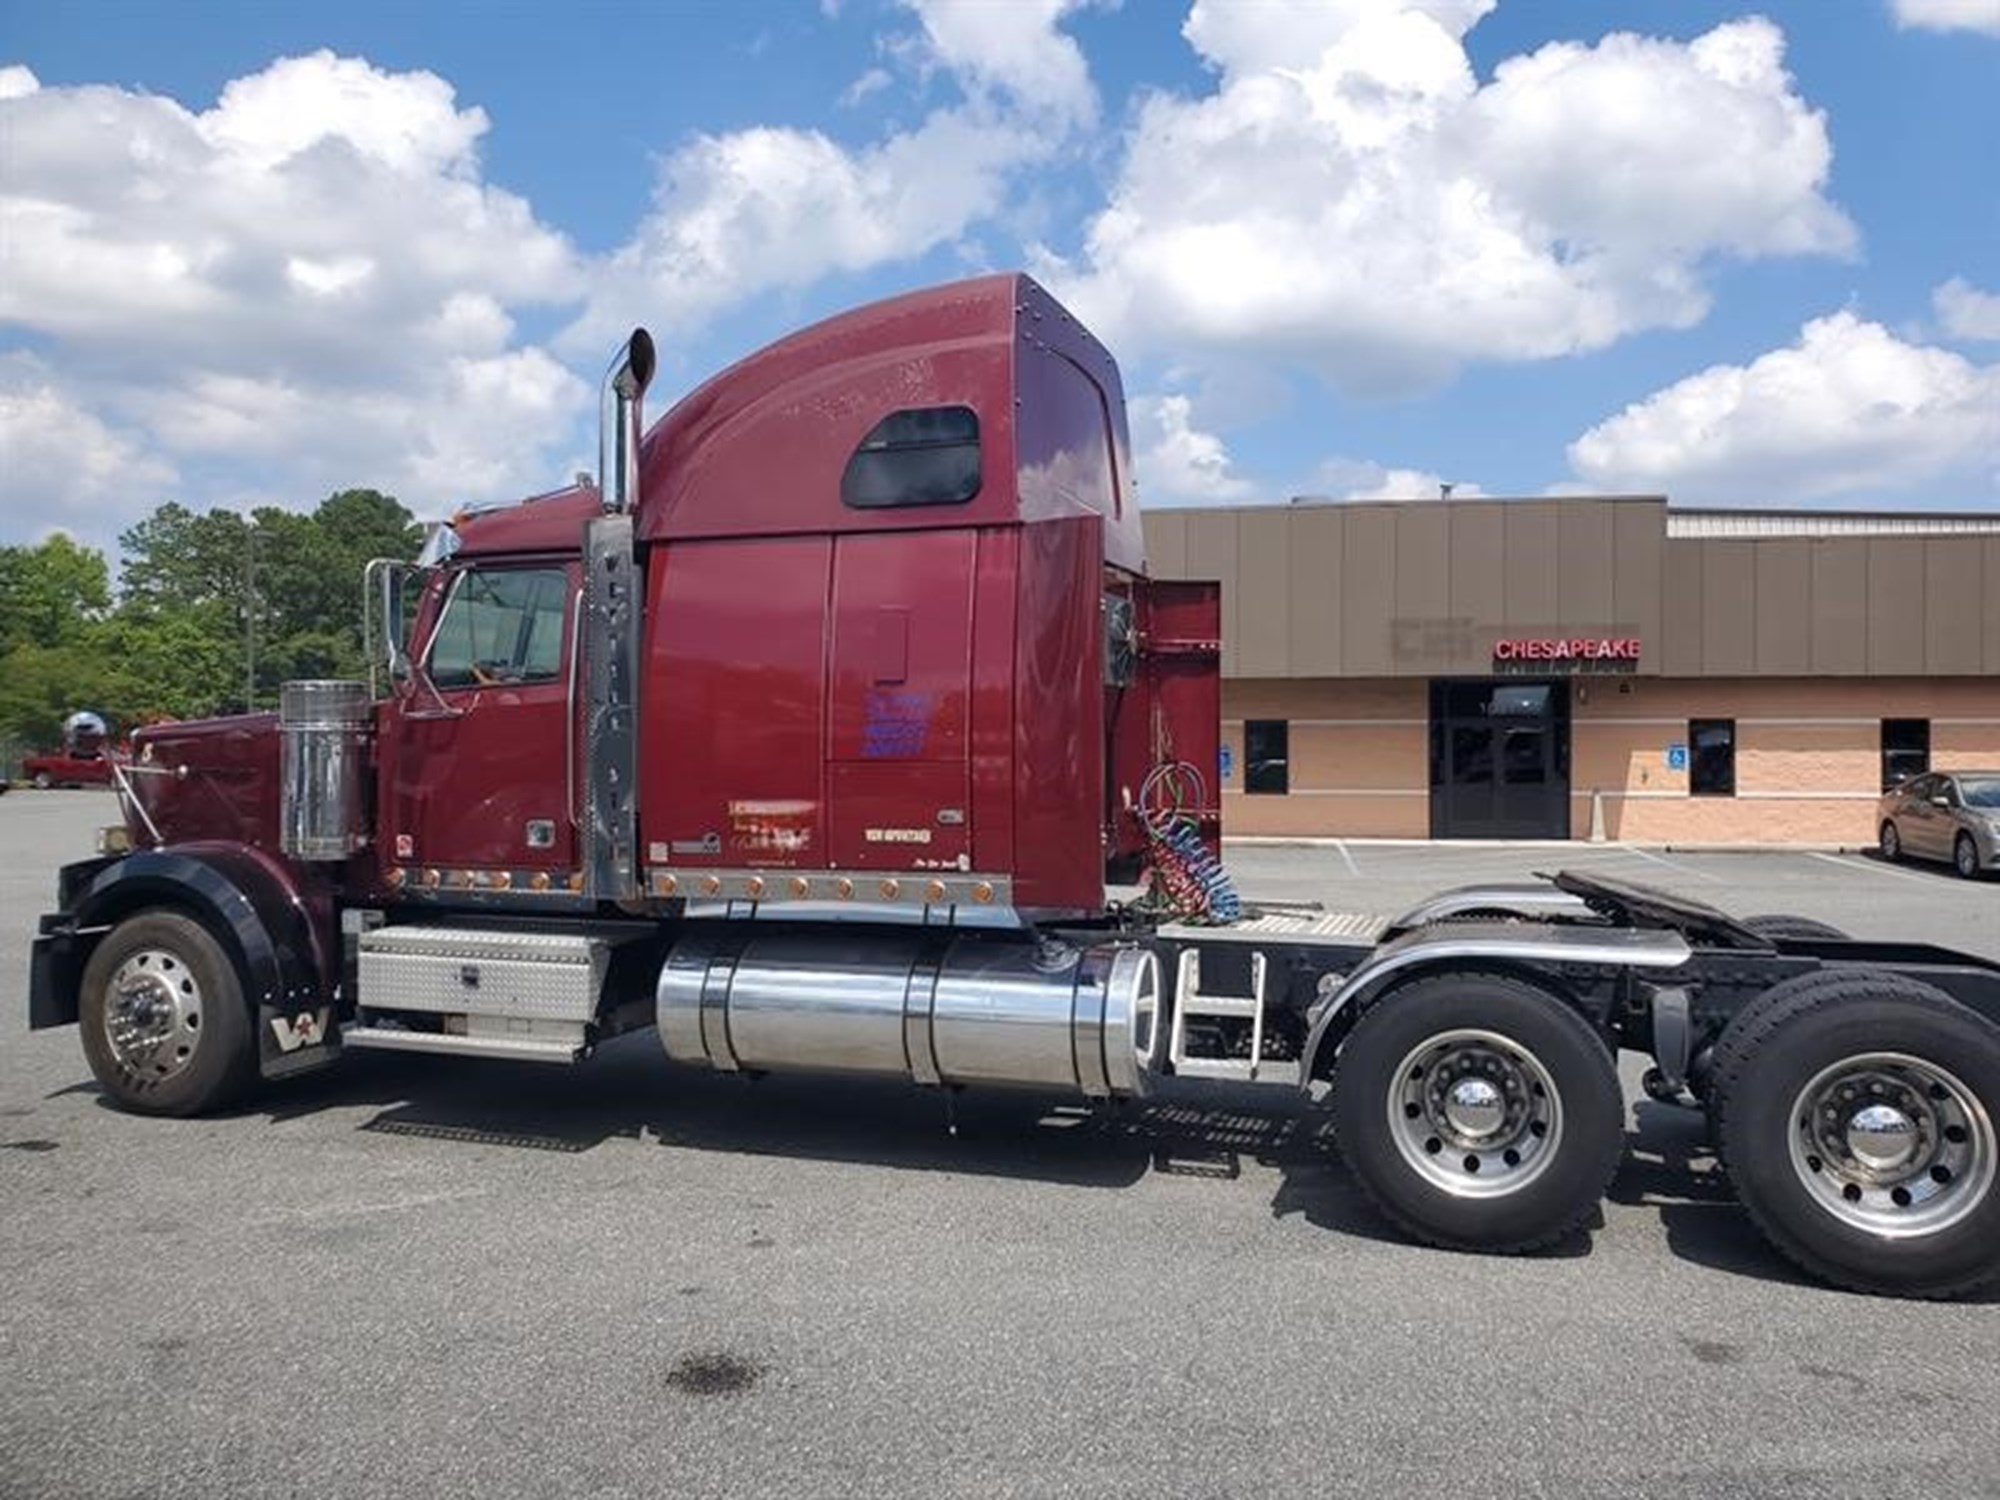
1948	815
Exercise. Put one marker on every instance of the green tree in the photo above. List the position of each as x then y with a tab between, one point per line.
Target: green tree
51	594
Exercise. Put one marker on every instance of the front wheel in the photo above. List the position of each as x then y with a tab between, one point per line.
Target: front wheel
1965	857
1480	1112
43	781
1857	1122
1891	843
165	1027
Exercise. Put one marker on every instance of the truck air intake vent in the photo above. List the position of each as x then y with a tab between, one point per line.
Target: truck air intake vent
324	726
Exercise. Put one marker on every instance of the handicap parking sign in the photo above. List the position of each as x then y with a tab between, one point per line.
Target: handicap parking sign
1677	757
1228	763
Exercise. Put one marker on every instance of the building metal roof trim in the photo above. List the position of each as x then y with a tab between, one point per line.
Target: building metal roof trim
1815	523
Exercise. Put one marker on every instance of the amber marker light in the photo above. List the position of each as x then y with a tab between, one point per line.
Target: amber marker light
983	892
395	879
754	887
432	879
801	887
539	881
576	881
934	891
711	885
891	889
845	887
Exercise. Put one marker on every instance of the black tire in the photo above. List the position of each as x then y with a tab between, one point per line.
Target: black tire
1725	1059
1808	929
1561	1195
1785	1049
1965	857
1890	842
201	1065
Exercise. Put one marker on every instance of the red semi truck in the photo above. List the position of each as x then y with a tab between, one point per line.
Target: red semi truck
843	728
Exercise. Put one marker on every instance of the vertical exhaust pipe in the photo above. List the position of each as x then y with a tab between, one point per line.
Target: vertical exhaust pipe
618	417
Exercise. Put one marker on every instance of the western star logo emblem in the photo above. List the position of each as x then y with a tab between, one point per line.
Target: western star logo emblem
306	1029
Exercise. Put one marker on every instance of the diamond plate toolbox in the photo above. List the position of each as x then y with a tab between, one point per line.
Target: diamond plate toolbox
536	976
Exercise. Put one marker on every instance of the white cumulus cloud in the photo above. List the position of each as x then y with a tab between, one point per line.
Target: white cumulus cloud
1350	199
1949	15
1176	461
1848	410
64	464
1364	479
1966	312
312	273
779	207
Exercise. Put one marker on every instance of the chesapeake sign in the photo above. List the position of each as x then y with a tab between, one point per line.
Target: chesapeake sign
1559	654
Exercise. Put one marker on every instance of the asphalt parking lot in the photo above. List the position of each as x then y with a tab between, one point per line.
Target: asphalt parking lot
414	1276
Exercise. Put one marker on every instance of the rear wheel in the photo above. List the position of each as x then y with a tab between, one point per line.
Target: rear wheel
164	1023
1479	1111
1965	857
1857	1120
1891	841
1780	925
43	781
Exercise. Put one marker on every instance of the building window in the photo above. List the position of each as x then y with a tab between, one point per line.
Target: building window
1265	746
1906	750
920	456
1712	757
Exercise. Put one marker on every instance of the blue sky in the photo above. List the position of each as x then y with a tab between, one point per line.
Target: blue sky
1747	256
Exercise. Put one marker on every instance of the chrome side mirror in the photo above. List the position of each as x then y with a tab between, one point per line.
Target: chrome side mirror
383	600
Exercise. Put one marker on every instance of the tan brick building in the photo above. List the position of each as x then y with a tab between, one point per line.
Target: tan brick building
1516	668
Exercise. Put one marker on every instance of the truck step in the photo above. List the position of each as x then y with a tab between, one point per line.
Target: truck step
519	1049
1193	1003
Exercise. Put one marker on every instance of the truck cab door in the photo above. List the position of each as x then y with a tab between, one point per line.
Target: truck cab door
480	776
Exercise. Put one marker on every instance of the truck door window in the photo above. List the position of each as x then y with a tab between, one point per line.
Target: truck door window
919	456
501	625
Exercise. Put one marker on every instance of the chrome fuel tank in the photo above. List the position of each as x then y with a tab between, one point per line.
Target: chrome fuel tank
916	1005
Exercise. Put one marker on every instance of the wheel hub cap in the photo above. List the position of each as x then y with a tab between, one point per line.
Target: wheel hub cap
1475	1107
152	1014
1892	1144
1881	1137
1475	1114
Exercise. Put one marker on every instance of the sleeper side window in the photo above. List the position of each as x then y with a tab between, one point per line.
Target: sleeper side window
925	455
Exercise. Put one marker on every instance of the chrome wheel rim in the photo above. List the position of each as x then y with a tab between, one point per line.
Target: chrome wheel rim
1892	1144
1475	1114
153	1014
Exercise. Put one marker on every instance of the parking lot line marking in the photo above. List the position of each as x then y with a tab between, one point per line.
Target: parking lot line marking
1352	868
1674	865
1855	862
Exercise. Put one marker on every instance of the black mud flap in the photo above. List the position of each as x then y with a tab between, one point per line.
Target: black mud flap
290	1041
55	970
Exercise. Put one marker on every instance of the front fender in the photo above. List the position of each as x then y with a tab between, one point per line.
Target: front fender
274	927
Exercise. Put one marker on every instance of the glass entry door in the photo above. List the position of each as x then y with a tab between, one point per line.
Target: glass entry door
1500	759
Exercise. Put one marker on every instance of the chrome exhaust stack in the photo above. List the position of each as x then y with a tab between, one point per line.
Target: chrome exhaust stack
618	420
607	812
